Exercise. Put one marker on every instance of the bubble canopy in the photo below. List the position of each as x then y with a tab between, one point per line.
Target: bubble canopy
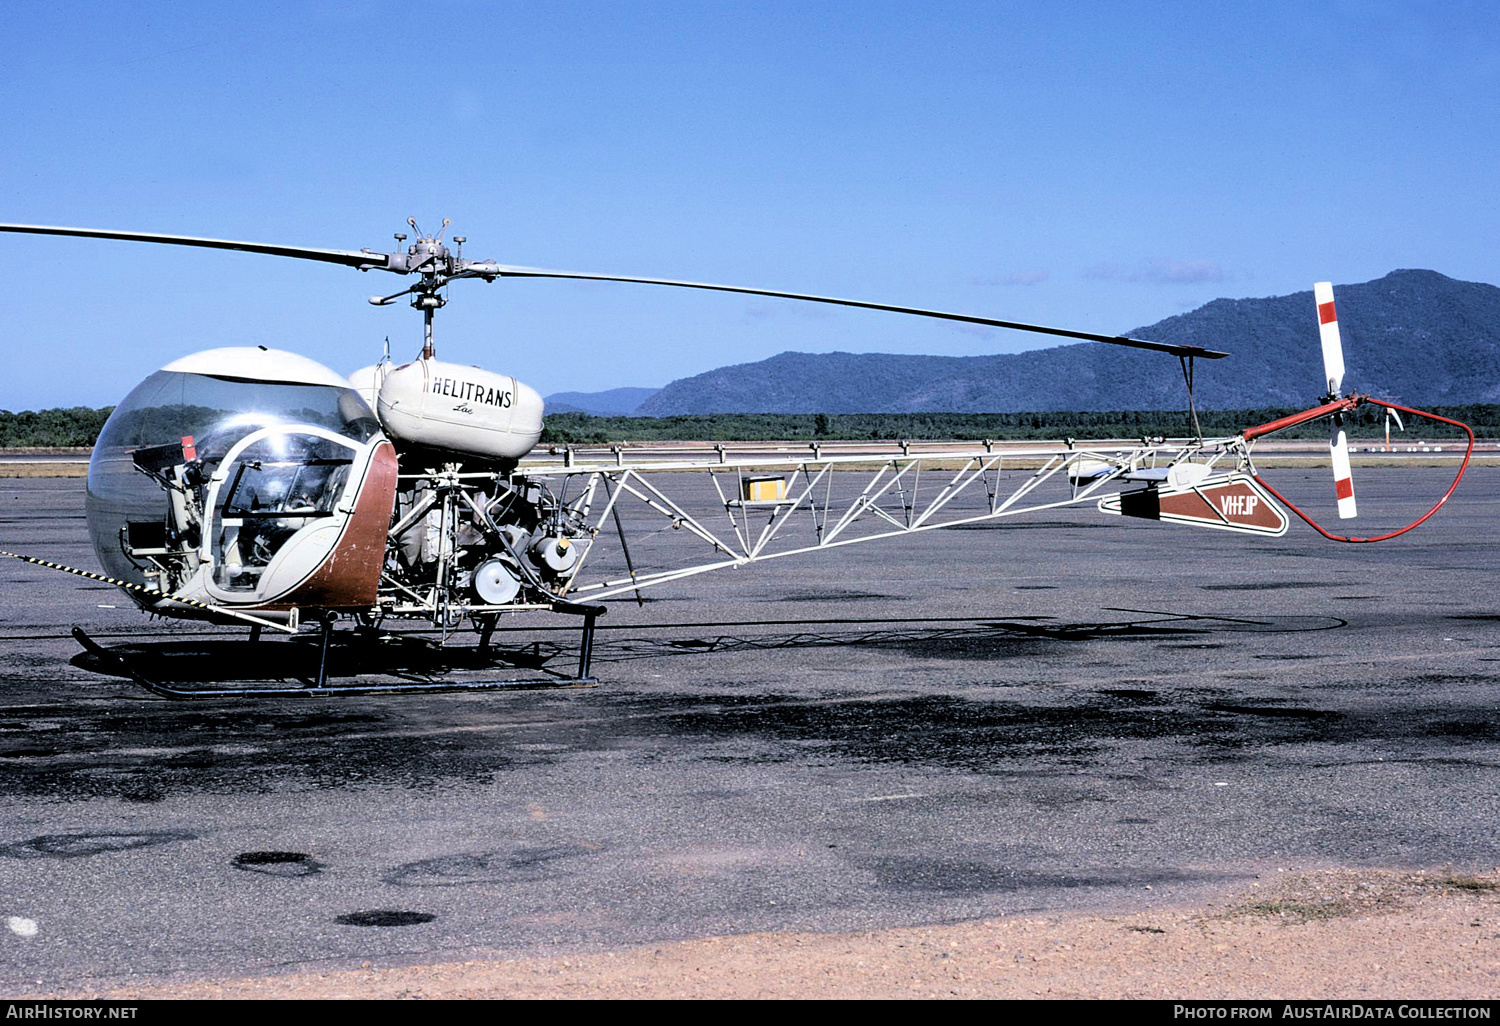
149	519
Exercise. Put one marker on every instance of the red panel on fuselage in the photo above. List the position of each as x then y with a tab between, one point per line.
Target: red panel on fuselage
350	577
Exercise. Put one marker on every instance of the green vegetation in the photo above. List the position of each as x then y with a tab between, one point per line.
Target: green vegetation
1367	422
79	426
52	429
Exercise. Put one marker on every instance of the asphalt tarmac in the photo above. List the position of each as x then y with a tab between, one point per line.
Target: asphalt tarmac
1066	712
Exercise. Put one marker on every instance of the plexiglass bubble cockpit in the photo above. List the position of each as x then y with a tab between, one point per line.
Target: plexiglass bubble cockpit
231	477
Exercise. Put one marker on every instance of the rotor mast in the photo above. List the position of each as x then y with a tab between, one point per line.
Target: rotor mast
428	256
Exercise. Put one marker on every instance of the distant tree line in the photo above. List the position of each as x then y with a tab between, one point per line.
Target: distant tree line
67	428
1367	421
78	426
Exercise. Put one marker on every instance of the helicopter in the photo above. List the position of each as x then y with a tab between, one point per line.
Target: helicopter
255	486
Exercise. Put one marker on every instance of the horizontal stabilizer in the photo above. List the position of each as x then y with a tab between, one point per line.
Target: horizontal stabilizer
1231	502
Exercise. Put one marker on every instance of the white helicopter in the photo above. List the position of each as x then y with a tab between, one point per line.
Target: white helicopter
256	486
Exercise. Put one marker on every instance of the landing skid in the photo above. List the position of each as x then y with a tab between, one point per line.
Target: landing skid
320	684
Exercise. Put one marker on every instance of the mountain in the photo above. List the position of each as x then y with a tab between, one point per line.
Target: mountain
616	402
1413	336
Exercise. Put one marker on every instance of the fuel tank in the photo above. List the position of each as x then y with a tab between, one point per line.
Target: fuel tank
451	407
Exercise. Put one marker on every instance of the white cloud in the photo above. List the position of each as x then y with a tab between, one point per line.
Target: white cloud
1015	278
1159	271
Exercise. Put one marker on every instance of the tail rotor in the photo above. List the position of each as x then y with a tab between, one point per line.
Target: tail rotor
1334	406
1333	373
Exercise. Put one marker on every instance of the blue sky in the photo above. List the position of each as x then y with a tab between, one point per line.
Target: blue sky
1090	165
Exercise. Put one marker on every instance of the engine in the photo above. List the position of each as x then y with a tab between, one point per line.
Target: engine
468	536
474	542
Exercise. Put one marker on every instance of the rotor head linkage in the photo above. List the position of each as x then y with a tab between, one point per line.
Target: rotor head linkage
431	259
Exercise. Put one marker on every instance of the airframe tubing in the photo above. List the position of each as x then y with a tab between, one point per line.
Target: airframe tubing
1055	464
1339	406
1327	409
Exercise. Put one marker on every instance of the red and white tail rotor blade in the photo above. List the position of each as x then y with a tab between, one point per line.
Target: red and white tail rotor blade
1333	347
1343	482
1333	375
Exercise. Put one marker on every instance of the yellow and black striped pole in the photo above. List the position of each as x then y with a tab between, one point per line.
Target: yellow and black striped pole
152	592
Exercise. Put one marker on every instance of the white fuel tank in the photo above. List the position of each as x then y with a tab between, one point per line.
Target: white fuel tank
367	382
456	408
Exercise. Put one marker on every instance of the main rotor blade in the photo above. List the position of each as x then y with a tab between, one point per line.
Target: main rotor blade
487	269
368	260
347	257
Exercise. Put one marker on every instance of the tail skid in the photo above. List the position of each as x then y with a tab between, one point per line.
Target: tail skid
1335	410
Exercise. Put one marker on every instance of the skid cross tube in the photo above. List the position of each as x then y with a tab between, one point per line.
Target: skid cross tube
129	666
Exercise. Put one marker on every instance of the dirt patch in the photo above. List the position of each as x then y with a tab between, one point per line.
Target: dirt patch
1327	934
39	469
1336	893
